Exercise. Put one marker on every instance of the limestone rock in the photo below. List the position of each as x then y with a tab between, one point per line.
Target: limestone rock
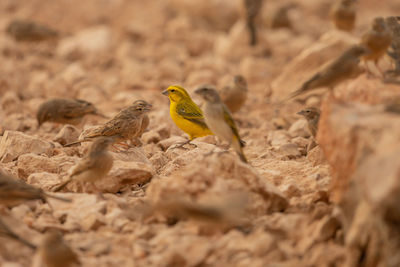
32	163
67	134
90	40
299	128
220	175
125	174
44	180
13	144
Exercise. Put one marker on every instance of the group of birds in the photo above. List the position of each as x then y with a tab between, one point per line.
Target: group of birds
52	248
213	117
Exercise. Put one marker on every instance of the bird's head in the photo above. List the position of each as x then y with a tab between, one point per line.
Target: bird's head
176	93
208	93
43	114
310	113
142	106
240	81
379	24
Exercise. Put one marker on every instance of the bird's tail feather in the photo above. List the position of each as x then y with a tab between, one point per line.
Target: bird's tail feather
61	187
237	145
74	143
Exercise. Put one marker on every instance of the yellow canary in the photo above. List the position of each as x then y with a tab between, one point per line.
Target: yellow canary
185	113
220	120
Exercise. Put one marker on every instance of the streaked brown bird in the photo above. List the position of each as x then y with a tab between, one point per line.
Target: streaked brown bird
94	166
54	252
343	15
312	116
393	24
235	95
253	8
7	232
280	18
345	67
28	31
126	125
65	111
377	41
14	192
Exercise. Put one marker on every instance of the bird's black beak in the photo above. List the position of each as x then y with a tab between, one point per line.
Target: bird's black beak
165	92
300	112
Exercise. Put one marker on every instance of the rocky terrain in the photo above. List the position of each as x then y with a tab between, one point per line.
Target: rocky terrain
336	205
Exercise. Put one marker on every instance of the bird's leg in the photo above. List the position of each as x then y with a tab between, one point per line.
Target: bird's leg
184	143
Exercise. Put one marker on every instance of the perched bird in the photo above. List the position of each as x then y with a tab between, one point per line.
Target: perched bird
235	95
392	105
22	30
343	14
128	124
7	232
393	24
253	8
65	111
94	166
219	119
14	192
185	113
377	41
343	68
312	116
54	252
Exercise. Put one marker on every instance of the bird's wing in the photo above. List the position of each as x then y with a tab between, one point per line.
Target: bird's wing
77	108
229	120
85	164
190	111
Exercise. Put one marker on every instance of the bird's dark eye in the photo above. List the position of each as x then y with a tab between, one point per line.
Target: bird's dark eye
308	111
172	90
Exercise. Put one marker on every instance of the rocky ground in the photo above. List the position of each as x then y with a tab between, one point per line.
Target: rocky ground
334	206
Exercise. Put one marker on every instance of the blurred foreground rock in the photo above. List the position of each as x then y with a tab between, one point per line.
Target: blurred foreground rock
362	145
218	175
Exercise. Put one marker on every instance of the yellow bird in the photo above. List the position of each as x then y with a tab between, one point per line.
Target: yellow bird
185	113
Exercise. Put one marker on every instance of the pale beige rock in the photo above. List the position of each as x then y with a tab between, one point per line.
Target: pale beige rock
85	212
158	160
125	174
10	103
18	122
220	174
216	14
67	134
173	140
13	144
299	128
151	137
278	138
32	163
289	150
44	180
90	40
